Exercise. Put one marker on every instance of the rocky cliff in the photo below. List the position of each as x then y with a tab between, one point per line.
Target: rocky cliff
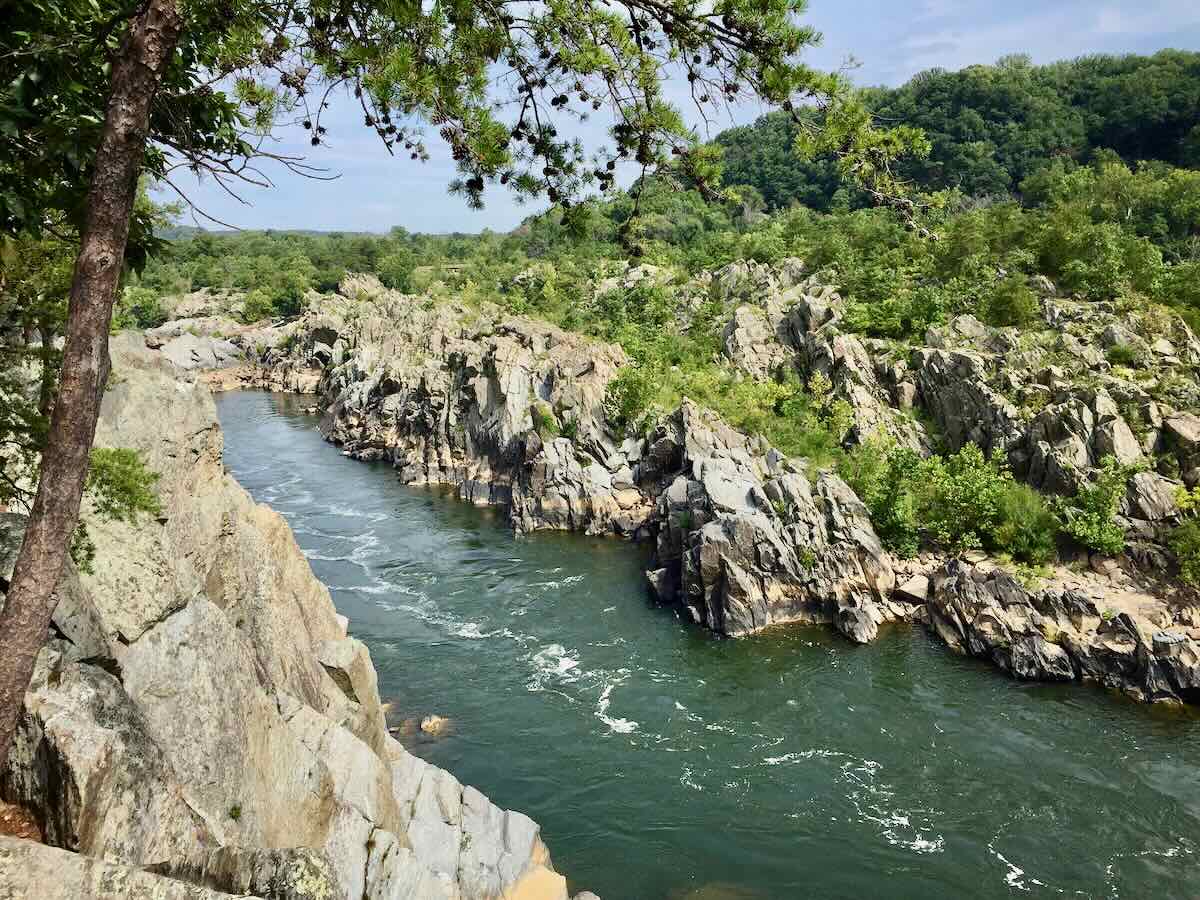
511	411
201	725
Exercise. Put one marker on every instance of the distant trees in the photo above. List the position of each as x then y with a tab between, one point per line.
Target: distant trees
991	127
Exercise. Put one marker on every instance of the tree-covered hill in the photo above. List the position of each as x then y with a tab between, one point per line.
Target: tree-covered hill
992	126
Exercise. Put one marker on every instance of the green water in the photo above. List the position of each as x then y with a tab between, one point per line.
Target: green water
663	763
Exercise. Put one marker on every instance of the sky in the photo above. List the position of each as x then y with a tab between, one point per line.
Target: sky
888	41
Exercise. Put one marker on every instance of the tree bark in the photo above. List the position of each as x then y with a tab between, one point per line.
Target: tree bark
137	73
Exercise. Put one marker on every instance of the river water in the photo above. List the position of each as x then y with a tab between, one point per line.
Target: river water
664	763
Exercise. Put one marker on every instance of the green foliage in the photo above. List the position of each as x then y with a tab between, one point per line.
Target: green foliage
885	477
958	502
628	397
1011	303
1184	542
1089	516
138	307
257	306
1122	355
1184	539
1027	527
121	488
544	421
991	127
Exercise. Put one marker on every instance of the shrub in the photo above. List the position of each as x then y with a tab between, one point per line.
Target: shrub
1184	542
883	475
1027	526
1122	355
257	306
1011	303
962	501
628	397
138	307
1089	516
960	498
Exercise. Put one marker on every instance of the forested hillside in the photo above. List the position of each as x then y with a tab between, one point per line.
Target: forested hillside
991	127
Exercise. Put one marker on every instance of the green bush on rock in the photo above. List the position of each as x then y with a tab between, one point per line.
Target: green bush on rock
959	502
1089	517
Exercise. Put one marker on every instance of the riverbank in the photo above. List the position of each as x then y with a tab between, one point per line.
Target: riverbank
511	412
788	763
201	719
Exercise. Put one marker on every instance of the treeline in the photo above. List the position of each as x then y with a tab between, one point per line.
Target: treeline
992	127
1103	231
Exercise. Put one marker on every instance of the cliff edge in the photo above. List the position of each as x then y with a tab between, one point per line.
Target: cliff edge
200	724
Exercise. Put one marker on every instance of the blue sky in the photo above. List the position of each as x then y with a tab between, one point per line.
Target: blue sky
890	39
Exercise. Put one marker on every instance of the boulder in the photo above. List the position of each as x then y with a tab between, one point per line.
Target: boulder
29	869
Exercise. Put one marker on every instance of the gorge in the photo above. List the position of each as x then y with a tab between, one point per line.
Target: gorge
809	509
777	765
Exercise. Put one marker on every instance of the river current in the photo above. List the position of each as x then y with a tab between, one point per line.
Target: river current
664	763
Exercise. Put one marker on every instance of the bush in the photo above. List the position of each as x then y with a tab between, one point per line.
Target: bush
960	498
138	307
959	502
1089	517
1184	542
883	476
628	397
1011	303
257	306
1027	527
1122	355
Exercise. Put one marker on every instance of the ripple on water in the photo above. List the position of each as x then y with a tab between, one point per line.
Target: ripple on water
794	762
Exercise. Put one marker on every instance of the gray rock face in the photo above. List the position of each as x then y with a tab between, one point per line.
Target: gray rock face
29	869
1053	635
201	711
745	542
512	412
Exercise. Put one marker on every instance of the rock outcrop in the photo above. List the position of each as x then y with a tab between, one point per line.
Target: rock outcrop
1064	635
200	712
512	412
745	541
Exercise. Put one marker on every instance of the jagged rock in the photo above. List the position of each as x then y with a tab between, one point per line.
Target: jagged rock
744	544
751	344
29	869
954	389
1183	437
202	711
1070	438
914	590
1059	635
1151	497
435	725
844	360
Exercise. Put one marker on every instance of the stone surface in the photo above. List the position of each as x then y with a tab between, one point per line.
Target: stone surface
1060	635
201	711
31	870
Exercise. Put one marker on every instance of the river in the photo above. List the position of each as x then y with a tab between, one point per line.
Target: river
664	763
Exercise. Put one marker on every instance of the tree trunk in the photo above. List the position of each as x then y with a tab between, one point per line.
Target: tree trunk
25	619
